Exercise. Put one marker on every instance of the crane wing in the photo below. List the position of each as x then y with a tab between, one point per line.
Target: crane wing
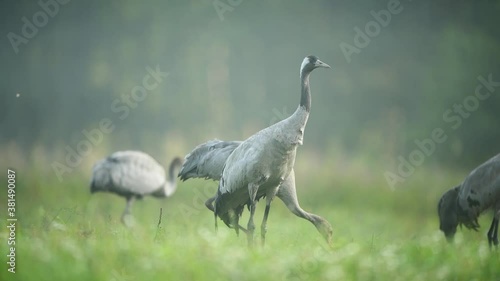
128	172
207	160
240	166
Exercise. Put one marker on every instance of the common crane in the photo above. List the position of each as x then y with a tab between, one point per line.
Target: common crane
260	164
133	175
207	161
464	203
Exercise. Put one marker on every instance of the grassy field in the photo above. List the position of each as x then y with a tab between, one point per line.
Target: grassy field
64	233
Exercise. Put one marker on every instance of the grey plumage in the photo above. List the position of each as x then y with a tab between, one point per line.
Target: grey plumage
207	160
213	154
464	203
133	174
259	165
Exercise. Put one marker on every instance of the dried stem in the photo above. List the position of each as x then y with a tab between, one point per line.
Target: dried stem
158	235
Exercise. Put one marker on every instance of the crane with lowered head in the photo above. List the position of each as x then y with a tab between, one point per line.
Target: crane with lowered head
133	175
463	204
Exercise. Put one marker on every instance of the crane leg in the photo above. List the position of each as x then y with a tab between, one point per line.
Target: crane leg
495	237
252	191
127	218
263	227
234	219
493	233
215	218
243	229
251	225
214	209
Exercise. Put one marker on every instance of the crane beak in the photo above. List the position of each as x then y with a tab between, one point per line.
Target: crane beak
321	64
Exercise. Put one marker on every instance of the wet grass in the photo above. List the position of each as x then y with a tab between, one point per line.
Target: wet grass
63	233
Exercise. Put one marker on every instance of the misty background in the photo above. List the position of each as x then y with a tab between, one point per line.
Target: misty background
233	73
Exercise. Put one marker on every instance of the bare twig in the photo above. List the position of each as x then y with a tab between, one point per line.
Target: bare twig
158	235
159	219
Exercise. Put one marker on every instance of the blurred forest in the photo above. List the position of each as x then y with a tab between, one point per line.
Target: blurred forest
234	72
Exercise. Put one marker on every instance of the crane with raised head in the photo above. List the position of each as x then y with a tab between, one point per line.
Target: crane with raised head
207	160
258	166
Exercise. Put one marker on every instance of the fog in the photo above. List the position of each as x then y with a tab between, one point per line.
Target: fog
93	77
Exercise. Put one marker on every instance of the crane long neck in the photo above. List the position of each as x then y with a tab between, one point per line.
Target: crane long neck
305	97
171	184
298	211
171	174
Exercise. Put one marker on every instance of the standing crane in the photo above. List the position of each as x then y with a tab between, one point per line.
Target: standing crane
207	161
133	175
480	191
260	164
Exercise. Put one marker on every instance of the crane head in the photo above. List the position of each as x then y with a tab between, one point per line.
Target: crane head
310	63
177	162
447	211
324	228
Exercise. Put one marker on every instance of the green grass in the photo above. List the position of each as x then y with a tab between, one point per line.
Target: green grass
63	233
